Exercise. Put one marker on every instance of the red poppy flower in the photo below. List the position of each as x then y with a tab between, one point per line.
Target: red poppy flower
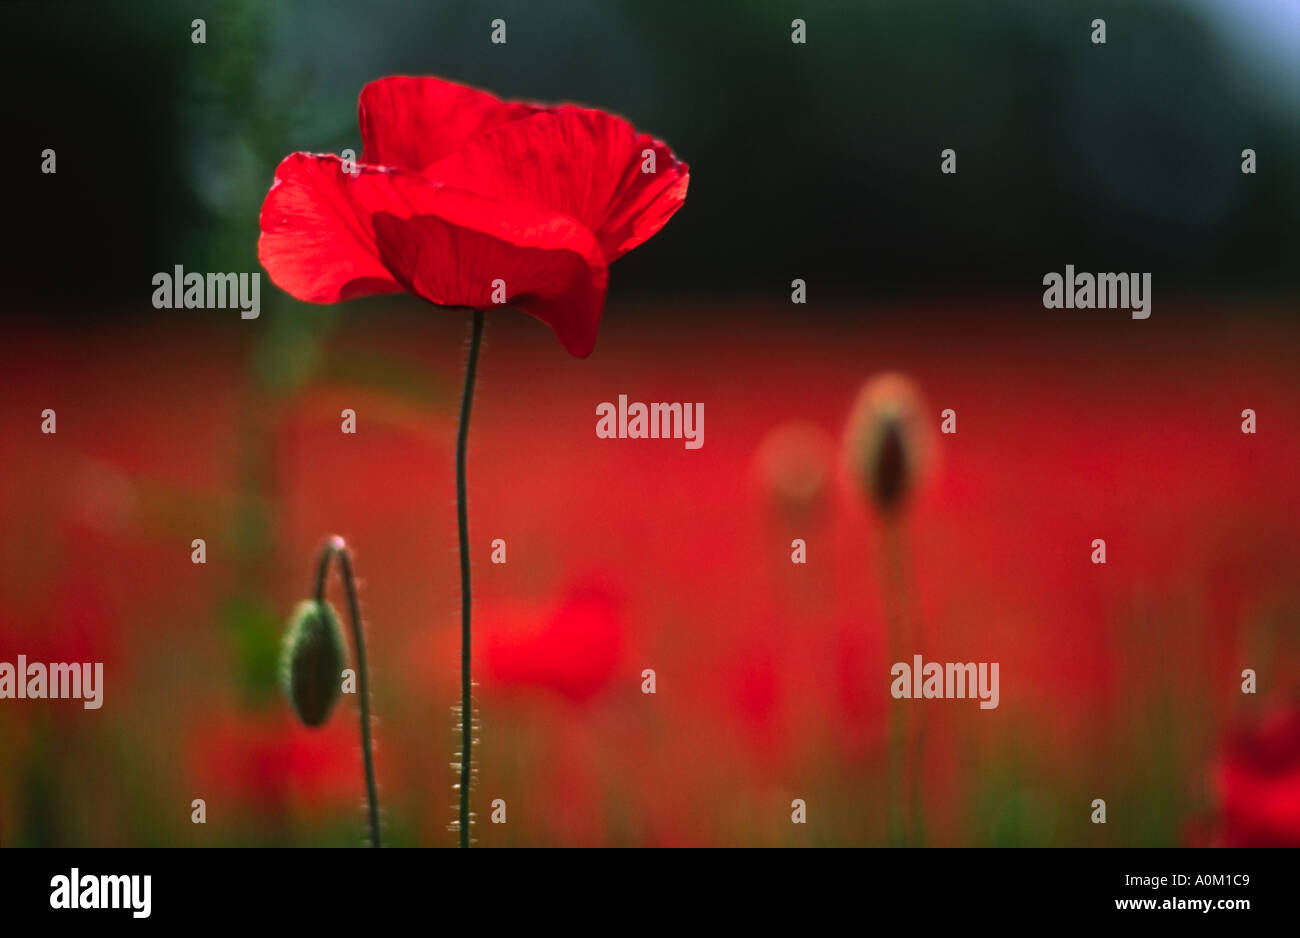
458	192
574	654
1259	784
272	764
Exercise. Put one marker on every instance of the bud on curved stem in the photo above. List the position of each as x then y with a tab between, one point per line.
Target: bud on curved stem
887	446
335	546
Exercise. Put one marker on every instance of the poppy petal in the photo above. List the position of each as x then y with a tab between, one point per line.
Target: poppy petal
411	122
317	240
329	235
549	265
581	162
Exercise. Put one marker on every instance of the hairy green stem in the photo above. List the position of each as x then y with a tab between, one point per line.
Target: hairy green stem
462	515
336	546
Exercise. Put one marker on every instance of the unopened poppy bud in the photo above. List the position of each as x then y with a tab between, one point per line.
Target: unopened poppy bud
793	467
889	479
314	658
886	442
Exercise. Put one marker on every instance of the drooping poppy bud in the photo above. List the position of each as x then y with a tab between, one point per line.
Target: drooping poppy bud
887	442
314	658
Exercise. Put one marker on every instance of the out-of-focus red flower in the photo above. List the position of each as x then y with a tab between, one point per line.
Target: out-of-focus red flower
76	625
1258	780
271	764
574	653
457	190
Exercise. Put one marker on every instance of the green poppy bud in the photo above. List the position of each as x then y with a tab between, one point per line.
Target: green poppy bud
314	658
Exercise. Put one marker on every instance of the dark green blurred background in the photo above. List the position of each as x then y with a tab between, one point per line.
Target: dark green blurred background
817	160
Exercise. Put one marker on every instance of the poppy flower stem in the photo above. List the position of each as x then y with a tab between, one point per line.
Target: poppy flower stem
898	816
336	546
462	515
911	631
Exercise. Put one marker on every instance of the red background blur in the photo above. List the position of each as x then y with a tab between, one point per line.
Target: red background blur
1119	681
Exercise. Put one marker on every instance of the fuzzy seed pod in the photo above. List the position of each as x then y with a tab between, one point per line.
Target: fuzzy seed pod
313	662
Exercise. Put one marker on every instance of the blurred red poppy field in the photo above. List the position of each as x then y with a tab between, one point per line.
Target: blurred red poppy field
930	556
1120	681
